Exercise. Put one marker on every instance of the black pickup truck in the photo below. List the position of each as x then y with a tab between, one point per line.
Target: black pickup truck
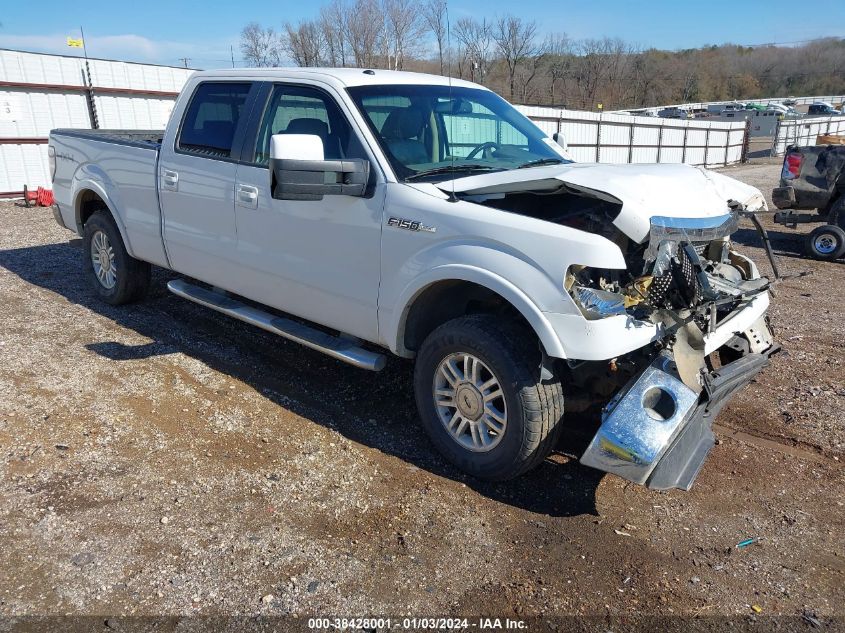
813	178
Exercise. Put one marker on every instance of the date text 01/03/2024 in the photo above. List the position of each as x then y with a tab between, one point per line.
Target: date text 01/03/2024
414	624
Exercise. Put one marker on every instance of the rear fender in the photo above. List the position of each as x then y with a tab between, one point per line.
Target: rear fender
90	178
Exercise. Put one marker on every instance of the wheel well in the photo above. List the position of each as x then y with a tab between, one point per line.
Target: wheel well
88	202
447	300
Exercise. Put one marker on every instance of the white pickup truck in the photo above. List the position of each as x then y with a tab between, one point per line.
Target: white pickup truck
360	212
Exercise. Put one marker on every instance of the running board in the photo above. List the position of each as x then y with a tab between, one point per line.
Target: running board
336	347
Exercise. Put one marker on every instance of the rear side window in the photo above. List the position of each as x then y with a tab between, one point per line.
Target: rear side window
212	118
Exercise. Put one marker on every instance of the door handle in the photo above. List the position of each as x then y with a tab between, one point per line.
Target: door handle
169	180
247	196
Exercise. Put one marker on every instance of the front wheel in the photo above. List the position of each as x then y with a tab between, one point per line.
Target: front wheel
481	400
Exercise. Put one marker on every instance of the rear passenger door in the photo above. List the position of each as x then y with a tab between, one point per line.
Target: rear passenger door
197	172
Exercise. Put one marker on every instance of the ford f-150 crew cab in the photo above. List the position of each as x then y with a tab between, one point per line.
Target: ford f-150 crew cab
362	212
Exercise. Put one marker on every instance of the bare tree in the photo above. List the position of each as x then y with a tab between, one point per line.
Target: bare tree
304	43
602	71
332	19
509	56
515	41
403	30
363	30
435	18
260	46
526	72
558	60
476	40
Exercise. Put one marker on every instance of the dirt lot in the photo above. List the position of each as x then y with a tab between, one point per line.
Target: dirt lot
162	459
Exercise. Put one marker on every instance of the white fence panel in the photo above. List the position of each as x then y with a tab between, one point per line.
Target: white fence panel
133	112
617	138
805	131
34	114
23	164
35	68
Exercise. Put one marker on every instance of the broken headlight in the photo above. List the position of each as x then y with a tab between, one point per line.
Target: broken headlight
601	294
597	304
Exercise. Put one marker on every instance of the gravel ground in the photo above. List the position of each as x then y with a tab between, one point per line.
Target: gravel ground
163	459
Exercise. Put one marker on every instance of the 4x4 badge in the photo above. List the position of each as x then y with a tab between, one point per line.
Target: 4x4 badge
410	225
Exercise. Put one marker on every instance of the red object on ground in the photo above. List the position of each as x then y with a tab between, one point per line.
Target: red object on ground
41	197
44	197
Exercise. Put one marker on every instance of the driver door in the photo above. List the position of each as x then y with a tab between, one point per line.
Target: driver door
316	259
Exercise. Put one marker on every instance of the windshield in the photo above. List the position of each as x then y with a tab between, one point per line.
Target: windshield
430	133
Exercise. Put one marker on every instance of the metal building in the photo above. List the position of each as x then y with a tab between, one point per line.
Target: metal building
39	92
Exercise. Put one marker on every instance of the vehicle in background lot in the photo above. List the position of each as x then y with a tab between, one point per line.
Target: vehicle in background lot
791	102
649	113
755	106
362	213
822	109
674	112
813	178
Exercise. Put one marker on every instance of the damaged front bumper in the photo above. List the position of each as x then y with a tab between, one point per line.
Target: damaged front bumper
657	431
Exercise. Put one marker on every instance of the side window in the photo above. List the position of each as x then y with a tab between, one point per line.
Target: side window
304	110
467	130
211	119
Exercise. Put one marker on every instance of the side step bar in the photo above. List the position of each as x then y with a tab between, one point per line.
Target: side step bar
336	347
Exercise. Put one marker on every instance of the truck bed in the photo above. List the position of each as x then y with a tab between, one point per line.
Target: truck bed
130	159
138	138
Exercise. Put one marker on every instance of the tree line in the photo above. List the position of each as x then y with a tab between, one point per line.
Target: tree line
509	54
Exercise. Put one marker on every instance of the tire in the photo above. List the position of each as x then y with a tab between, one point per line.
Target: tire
123	278
826	242
532	408
836	212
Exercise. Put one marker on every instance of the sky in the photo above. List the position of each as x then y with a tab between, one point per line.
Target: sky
165	32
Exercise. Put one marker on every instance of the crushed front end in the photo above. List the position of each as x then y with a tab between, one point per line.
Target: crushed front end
708	303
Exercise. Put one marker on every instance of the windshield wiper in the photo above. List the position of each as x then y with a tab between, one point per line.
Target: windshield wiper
450	170
542	161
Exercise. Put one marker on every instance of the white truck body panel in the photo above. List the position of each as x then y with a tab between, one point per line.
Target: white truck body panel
338	263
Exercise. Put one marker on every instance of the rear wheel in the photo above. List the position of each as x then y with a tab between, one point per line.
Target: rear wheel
826	242
481	399
113	273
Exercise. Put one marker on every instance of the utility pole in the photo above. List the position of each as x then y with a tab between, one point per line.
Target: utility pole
185	60
86	76
232	53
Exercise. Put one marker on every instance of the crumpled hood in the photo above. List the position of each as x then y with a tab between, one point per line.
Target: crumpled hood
671	190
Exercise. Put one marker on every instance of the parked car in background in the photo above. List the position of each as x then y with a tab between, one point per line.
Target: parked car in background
674	112
823	109
791	101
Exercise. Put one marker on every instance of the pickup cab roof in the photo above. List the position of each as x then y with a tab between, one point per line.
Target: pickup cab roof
339	77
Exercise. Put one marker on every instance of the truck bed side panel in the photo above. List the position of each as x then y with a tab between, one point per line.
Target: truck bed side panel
122	172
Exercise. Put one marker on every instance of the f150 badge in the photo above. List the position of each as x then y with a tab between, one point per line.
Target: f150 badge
410	225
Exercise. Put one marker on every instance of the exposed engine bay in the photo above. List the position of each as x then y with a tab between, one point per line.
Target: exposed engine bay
685	275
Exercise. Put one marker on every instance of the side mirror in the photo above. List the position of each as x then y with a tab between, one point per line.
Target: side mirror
298	170
558	138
